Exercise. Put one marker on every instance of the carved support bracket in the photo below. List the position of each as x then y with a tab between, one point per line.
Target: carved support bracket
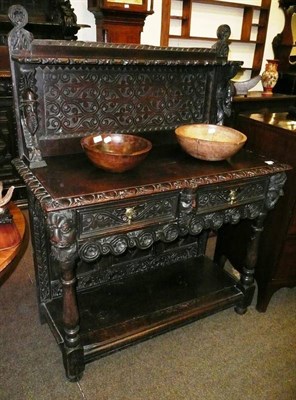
275	189
29	120
225	92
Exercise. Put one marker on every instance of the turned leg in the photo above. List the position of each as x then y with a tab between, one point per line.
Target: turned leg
72	350
64	250
247	275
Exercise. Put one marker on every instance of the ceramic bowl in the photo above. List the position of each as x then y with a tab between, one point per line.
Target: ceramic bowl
210	142
115	152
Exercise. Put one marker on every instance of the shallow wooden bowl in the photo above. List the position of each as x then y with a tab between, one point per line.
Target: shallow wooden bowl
210	142
115	152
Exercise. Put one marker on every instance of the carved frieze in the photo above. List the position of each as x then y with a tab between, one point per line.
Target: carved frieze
214	220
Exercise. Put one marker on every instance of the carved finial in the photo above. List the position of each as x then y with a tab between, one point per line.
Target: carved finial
18	15
19	38
221	46
63	13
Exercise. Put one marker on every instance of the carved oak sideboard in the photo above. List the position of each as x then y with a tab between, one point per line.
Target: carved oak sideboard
121	257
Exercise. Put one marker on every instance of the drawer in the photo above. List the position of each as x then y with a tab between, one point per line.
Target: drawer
218	197
126	216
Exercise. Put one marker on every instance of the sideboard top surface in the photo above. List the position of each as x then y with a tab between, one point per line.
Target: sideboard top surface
71	181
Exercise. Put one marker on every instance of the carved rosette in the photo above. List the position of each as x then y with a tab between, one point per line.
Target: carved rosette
116	245
195	215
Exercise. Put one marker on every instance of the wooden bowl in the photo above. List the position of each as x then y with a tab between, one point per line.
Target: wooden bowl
210	142
115	152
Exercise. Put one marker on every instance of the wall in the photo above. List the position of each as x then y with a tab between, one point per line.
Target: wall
152	28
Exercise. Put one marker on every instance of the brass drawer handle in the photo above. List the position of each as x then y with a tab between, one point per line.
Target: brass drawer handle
232	196
130	213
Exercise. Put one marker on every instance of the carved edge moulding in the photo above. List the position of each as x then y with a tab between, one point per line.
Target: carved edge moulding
50	204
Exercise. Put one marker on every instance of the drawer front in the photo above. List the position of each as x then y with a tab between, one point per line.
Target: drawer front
126	216
215	198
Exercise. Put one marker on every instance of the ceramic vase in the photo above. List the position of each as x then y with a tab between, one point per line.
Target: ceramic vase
269	76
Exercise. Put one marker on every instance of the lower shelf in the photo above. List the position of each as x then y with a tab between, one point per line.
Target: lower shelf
128	311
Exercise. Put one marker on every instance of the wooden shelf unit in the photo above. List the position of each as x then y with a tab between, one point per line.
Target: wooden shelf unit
246	31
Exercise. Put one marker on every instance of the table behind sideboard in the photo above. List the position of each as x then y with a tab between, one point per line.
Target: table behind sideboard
274	135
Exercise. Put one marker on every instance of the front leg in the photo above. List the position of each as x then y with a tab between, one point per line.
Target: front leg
275	190
247	275
64	250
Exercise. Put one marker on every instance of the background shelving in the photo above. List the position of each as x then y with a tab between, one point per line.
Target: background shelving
195	22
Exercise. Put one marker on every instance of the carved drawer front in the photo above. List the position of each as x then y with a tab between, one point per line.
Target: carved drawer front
125	216
233	195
